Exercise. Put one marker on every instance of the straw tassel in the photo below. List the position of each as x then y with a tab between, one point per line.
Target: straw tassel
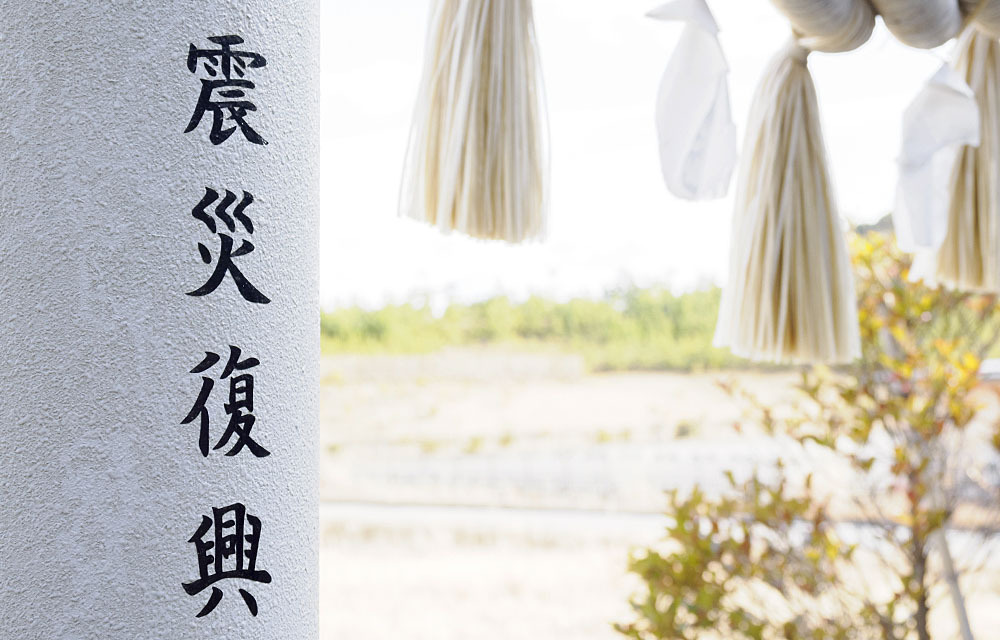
969	257
790	295
477	156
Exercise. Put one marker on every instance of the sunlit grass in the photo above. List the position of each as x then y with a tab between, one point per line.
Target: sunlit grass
638	329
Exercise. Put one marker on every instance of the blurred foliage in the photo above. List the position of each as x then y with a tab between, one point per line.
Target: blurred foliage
765	560
645	329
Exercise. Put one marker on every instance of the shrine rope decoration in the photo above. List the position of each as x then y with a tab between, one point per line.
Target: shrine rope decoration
790	295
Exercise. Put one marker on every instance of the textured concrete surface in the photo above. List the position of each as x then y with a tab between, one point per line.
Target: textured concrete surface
100	485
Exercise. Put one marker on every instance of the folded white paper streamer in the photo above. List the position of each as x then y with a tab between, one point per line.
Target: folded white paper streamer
942	119
695	126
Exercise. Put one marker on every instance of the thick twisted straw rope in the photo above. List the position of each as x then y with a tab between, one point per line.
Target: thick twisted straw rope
842	25
987	16
922	23
829	25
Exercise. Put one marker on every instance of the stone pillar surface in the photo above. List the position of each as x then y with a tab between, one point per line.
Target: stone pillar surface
158	319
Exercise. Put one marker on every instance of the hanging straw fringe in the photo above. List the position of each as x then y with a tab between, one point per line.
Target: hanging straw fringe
969	257
790	296
477	155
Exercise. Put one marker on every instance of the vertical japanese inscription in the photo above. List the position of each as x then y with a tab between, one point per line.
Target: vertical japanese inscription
230	553
224	93
226	544
239	407
236	221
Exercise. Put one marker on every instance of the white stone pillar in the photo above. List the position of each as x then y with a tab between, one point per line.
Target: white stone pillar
106	497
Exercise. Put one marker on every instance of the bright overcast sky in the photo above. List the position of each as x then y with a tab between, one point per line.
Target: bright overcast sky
612	220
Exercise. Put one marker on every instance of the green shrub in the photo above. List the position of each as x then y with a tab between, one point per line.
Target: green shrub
638	329
765	561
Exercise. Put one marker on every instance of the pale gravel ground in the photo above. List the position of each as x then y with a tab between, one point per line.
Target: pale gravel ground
431	573
383	590
460	394
441	572
564	451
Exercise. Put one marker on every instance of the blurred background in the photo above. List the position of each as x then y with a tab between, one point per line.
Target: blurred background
500	423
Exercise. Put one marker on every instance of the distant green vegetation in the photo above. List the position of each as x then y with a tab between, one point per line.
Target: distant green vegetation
637	329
